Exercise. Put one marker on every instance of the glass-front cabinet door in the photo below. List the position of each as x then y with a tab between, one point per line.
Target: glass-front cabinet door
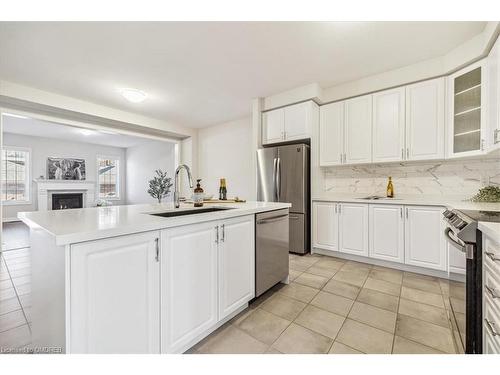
466	98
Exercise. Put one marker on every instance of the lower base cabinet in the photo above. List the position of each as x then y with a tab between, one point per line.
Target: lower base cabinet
115	295
353	228
387	233
208	273
412	235
425	244
189	284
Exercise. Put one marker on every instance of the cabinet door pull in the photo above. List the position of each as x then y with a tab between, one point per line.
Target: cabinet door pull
157	247
341	158
216	234
406	212
482	144
491	291
408	153
491	327
401	212
223	227
340	208
335	207
402	154
492	256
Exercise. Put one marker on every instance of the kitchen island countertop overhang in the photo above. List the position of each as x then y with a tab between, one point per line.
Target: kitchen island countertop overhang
87	224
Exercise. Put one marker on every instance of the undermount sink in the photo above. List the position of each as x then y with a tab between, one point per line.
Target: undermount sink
194	211
377	197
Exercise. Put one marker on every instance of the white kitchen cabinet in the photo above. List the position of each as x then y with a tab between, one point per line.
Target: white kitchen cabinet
331	134
389	125
358	130
115	295
467	96
424	239
425	119
386	232
353	228
325	226
273	126
236	264
493	64
189	284
289	123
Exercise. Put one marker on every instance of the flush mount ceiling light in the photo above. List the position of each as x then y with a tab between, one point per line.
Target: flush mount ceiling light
133	95
86	131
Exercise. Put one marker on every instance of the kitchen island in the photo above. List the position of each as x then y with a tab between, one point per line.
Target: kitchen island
127	279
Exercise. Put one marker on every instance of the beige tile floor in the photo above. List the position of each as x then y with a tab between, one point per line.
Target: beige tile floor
330	306
341	307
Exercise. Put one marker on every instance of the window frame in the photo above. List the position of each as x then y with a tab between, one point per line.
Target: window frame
118	177
27	178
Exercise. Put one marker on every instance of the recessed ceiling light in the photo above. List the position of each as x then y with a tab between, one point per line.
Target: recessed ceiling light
15	115
133	95
86	131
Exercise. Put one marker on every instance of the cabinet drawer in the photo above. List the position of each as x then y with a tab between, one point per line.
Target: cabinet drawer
492	285
492	255
491	323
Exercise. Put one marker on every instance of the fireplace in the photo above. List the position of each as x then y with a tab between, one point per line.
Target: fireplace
64	201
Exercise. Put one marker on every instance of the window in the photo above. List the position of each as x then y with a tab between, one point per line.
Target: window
108	178
15	175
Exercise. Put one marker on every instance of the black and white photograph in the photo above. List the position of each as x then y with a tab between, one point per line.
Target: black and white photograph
65	169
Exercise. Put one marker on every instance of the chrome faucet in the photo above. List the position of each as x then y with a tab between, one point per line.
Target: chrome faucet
176	191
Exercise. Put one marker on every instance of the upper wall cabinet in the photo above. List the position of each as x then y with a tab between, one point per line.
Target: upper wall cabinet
289	123
425	104
494	96
466	121
389	125
331	134
358	130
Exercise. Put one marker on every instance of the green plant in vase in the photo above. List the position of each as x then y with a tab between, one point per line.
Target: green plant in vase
160	185
487	194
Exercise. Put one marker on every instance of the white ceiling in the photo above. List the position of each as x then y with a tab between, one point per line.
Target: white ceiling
198	74
38	128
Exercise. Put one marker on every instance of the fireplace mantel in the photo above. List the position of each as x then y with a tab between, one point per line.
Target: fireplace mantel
45	189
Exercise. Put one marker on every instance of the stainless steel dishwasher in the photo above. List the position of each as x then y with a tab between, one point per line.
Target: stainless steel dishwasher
271	251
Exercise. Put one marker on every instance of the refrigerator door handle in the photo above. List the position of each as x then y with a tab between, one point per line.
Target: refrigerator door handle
278	179
275	190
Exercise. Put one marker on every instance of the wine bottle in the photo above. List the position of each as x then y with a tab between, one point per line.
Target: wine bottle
222	190
390	189
198	195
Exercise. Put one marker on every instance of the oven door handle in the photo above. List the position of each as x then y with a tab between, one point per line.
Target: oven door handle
450	239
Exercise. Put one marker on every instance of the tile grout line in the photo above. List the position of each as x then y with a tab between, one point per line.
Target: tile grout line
397	316
17	295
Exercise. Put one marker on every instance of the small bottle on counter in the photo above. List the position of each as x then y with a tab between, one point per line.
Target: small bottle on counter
198	195
390	189
222	190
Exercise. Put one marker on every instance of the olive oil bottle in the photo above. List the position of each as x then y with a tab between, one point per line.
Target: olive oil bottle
390	189
222	190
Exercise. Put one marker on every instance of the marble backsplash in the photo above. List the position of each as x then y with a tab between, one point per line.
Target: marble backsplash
457	178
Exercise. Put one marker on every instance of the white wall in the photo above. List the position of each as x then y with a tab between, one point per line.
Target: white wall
41	148
225	150
141	163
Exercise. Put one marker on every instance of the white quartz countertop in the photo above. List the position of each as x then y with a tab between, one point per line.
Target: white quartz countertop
491	230
443	201
86	224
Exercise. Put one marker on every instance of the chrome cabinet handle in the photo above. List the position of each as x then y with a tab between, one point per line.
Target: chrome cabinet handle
335	207
491	291
157	246
340	208
272	219
407	153
492	256
407	212
275	184
216	234
341	158
223	227
402	154
491	327
401	212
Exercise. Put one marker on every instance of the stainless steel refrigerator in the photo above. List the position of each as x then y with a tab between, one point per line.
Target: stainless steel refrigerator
283	176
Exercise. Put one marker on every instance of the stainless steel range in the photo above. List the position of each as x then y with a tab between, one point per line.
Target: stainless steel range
465	298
